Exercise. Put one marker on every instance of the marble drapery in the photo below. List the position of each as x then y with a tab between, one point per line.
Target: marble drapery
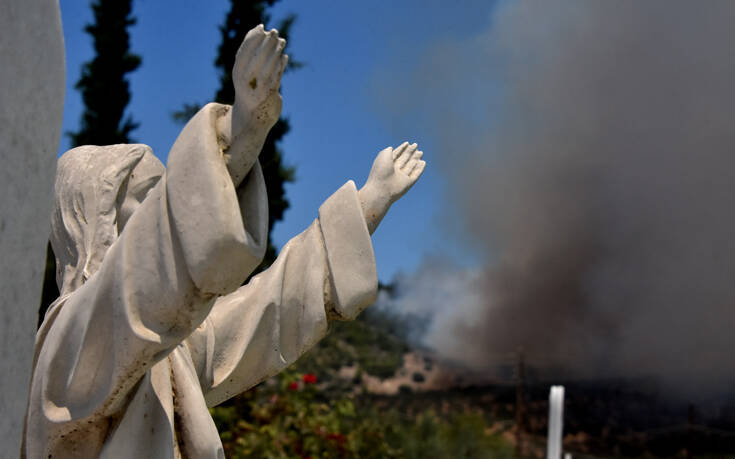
129	359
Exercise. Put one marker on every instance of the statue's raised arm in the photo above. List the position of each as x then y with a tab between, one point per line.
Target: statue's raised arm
153	325
259	65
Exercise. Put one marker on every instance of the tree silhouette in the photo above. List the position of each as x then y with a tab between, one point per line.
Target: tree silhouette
104	86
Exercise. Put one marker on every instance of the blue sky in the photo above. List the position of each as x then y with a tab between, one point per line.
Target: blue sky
349	48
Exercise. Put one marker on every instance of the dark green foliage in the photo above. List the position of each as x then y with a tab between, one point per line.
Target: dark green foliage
104	86
309	411
105	92
291	418
374	349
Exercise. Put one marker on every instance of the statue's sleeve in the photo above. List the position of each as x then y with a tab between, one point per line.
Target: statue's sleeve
181	249
266	325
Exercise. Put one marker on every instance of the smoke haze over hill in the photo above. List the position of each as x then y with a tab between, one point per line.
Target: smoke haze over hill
589	151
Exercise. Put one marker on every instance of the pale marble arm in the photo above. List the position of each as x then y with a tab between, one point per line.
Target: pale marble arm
328	271
266	325
394	172
184	246
256	75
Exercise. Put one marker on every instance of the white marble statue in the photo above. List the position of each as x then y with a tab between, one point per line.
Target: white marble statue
153	326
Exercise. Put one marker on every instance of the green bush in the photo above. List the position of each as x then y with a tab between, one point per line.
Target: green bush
296	418
309	412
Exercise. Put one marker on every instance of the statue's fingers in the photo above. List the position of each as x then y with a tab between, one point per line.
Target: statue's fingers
406	156
413	162
409	166
399	150
250	44
256	34
253	38
284	64
265	50
257	31
271	42
274	62
418	170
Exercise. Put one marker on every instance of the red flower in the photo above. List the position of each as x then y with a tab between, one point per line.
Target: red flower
309	378
336	436
293	385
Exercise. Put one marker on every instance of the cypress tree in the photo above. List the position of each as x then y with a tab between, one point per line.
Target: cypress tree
104	85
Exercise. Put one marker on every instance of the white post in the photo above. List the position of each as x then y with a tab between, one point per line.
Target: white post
556	413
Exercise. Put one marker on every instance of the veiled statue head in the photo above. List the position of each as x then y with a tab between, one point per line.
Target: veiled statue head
96	192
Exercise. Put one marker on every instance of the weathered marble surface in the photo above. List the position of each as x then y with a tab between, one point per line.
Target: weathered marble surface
152	326
31	104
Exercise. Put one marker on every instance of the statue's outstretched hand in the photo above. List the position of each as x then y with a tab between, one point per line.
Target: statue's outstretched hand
396	170
256	75
393	173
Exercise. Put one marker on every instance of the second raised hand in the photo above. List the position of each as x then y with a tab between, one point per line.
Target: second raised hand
393	173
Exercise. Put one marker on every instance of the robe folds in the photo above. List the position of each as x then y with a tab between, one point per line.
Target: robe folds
127	364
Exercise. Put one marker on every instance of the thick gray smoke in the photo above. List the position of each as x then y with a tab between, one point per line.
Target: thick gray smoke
590	152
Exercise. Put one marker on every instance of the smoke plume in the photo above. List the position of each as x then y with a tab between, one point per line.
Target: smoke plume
589	150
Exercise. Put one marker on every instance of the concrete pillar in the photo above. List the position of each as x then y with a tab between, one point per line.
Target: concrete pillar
32	77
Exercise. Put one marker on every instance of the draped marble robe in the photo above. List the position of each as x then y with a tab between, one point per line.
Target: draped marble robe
154	330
